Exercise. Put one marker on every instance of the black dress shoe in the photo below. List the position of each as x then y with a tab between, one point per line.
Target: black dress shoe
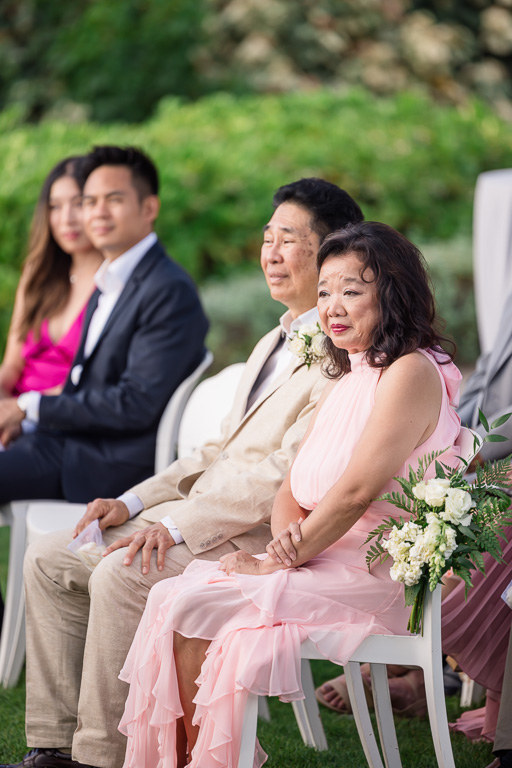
46	758
505	756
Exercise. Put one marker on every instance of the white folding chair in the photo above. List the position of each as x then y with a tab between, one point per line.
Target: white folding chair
30	519
379	650
169	426
206	408
202	420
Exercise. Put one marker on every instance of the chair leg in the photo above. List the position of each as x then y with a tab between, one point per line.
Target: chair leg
384	716
434	691
263	710
361	714
12	641
248	741
307	713
470	692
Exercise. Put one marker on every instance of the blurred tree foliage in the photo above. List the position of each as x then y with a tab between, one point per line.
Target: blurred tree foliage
115	59
109	60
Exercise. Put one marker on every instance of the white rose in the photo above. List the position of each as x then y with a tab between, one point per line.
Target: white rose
419	490
317	345
308	330
435	491
457	505
297	346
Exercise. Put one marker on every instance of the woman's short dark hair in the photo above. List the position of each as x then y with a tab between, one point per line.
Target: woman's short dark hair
407	312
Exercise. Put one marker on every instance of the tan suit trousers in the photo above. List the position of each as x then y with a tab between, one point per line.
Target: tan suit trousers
80	626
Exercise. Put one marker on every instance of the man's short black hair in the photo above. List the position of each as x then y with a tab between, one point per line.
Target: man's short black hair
144	172
330	207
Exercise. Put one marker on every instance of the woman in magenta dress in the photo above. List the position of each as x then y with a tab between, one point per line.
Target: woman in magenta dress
222	629
55	286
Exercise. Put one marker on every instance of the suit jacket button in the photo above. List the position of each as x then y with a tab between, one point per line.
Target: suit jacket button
219	535
208	542
214	538
202	545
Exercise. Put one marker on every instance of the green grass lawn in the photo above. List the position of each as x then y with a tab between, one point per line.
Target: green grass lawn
280	738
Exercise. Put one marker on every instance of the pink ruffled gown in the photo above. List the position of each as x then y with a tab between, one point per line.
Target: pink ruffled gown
256	624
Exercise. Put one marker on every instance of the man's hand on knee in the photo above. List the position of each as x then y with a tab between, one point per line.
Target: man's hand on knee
109	512
154	537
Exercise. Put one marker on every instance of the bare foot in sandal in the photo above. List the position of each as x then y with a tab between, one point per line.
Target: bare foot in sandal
334	693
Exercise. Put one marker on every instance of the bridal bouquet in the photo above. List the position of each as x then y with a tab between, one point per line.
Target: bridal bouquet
452	524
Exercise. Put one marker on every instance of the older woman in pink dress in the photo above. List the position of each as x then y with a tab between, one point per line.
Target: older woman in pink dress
220	630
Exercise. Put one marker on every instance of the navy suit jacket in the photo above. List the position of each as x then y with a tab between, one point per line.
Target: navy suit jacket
108	421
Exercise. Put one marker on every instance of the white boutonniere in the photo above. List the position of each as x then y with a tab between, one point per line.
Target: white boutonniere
308	344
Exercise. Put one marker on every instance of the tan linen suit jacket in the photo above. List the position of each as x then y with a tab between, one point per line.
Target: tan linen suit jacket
225	490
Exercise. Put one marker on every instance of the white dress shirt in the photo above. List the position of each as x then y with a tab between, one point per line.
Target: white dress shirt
110	279
276	362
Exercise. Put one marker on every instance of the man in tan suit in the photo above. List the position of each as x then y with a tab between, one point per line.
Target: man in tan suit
80	625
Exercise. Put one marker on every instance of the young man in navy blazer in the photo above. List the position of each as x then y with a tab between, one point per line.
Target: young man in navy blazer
143	334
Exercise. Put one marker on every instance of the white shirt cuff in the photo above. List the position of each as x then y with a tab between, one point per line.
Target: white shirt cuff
176	535
31	402
133	503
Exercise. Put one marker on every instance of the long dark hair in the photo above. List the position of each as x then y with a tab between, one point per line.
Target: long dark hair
46	267
407	312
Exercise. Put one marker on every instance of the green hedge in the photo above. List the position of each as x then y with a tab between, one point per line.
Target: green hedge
407	161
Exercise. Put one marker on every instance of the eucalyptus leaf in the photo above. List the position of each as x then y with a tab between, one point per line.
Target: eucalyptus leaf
467	532
483	420
501	420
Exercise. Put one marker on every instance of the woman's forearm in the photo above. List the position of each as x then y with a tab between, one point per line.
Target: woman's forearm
285	509
331	519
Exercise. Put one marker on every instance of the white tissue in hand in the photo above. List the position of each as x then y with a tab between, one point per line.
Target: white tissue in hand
90	553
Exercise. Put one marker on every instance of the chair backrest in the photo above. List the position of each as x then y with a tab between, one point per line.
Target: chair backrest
168	428
492	252
209	403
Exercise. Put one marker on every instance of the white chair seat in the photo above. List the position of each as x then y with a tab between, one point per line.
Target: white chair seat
379	650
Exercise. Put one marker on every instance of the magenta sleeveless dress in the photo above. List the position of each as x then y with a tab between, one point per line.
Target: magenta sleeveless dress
47	364
256	624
